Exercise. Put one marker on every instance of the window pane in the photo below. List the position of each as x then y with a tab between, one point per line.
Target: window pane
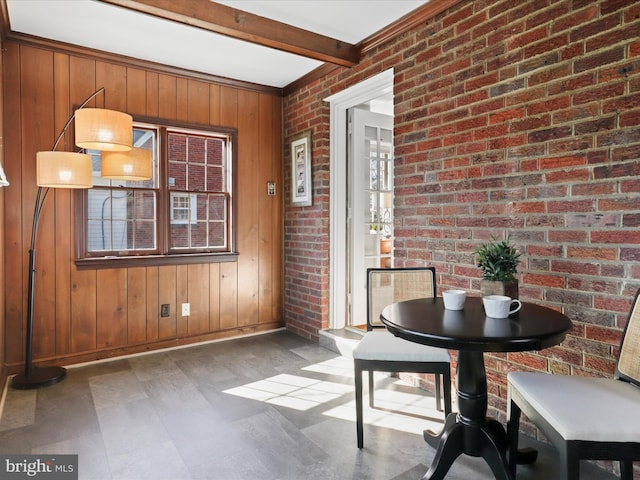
196	162
122	219
198	220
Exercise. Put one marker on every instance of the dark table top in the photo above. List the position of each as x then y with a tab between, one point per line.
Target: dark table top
426	321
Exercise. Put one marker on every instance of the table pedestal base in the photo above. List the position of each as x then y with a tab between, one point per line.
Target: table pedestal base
488	441
469	431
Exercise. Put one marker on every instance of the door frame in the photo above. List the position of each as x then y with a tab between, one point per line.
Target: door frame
339	103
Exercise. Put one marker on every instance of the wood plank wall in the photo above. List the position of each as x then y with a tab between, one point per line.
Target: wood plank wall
88	314
3	370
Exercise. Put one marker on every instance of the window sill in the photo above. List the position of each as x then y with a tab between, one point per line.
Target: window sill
154	260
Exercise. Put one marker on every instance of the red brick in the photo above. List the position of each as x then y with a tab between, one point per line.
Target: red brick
612	37
599	93
506	115
549	105
594	28
530	123
553	281
547	45
601	334
618	204
629	119
549	134
528	37
571	206
574	19
615	236
551	15
561	162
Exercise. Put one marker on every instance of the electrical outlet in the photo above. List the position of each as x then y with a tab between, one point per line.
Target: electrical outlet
164	310
186	309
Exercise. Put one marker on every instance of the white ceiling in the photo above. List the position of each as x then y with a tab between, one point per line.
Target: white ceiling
101	26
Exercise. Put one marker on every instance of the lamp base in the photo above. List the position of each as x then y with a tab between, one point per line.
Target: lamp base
39	377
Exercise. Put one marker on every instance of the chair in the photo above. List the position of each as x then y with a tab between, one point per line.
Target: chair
586	418
381	351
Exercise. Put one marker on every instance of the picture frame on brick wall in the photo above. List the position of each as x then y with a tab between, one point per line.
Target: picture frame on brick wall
301	194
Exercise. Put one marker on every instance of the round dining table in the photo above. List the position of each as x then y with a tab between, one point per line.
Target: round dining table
471	333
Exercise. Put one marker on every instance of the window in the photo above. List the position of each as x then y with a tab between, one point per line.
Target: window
184	210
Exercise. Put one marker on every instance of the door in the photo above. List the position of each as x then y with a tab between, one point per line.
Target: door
370	203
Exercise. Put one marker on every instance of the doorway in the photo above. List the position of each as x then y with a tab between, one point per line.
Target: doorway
366	92
369	203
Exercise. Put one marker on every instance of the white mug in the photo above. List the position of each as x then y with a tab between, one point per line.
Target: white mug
499	306
454	299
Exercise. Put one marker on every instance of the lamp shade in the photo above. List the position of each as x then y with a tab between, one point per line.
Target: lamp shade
64	170
132	165
100	129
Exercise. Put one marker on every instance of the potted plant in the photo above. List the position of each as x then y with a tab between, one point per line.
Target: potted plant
498	260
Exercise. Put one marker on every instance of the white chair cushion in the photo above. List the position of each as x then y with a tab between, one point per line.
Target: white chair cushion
582	408
382	345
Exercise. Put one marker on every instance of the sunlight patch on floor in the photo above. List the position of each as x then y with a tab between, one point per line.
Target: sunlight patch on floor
398	405
341	366
403	411
292	391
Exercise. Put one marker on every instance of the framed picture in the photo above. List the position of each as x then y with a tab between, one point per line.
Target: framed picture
301	194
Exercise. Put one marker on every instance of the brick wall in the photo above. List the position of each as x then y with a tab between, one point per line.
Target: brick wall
518	118
306	237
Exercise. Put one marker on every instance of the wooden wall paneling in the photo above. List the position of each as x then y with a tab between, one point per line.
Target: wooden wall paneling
64	252
136	92
277	252
115	80
38	103
182	99
167	87
136	311
266	203
13	229
153	303
228	295
151	91
182	296
229	271
214	105
83	310
214	297
167	288
82	83
199	298
198	102
3	370
249	193
228	107
81	302
111	306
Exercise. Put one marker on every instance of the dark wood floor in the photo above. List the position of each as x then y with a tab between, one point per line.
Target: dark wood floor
272	406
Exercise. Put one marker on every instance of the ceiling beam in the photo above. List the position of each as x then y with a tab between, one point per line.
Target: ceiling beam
242	25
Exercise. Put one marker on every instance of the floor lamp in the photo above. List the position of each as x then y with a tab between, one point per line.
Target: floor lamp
98	129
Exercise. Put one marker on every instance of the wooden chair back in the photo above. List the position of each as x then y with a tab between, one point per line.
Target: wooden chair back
389	285
628	368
